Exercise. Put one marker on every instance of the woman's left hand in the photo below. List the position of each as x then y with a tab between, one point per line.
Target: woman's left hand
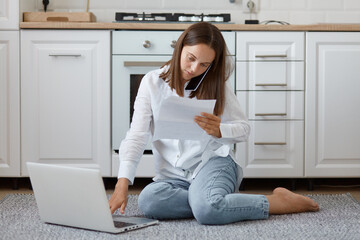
210	123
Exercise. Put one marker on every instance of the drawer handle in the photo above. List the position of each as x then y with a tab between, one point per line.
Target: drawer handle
270	114
64	55
173	43
270	143
271	56
146	44
143	64
271	84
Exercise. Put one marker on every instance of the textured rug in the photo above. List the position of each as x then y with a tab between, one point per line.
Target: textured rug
339	218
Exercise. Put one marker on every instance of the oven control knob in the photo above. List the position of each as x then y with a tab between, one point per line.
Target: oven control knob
146	44
173	43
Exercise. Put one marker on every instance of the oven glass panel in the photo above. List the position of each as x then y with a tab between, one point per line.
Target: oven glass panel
135	80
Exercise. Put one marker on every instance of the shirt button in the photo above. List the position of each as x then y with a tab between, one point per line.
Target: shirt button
178	156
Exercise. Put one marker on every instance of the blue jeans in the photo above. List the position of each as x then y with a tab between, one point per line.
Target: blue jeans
210	197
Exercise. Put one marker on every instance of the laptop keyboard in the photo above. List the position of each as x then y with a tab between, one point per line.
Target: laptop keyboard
122	224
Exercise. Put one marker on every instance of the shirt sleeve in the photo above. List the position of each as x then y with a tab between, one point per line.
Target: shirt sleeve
132	147
234	126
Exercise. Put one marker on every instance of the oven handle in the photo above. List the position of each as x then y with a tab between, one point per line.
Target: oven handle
143	64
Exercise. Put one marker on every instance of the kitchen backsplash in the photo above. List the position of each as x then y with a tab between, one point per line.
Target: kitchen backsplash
292	11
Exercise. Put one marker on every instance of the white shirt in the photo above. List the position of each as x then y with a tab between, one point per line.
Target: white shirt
179	159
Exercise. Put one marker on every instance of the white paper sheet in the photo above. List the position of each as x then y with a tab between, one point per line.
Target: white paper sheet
176	118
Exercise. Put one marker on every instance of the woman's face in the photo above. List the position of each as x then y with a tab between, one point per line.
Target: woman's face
195	60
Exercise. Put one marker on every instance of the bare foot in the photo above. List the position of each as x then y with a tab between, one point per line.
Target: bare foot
283	201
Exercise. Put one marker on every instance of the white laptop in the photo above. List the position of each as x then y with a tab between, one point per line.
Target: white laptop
76	197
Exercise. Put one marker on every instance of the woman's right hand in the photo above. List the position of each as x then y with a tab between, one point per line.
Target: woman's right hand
120	196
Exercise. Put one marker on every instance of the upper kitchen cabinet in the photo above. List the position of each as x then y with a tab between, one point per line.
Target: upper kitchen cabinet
332	116
9	14
65	98
9	104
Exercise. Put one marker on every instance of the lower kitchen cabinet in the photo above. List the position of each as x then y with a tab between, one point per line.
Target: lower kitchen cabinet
274	149
270	89
65	98
298	129
9	104
332	117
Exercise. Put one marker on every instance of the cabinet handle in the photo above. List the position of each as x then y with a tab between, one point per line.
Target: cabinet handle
173	43
271	84
64	55
270	143
146	44
271	56
143	64
270	114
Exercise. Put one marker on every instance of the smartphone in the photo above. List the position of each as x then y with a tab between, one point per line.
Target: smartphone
196	81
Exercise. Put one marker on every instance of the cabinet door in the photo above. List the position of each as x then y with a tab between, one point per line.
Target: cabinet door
270	46
274	149
272	105
269	75
9	104
65	98
9	14
332	105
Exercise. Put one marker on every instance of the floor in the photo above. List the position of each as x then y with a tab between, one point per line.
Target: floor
253	186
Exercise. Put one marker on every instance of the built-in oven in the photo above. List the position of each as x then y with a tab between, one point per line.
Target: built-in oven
135	53
127	76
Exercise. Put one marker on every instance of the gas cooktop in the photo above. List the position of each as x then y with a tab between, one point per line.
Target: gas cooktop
171	17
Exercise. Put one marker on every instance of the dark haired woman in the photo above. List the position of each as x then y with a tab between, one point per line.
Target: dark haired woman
195	178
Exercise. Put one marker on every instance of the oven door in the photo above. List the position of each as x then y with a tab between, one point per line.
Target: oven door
127	72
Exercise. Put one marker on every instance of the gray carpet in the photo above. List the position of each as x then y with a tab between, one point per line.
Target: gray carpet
339	218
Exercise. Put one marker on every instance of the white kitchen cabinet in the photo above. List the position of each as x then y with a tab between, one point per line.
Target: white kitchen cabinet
272	105
270	46
65	98
9	104
270	89
9	14
274	149
332	116
289	75
270	61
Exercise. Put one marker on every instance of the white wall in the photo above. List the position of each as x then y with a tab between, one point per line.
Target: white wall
292	11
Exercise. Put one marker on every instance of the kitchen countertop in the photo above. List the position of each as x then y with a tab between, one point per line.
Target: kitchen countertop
182	26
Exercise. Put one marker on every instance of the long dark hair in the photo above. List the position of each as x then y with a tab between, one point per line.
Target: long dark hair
213	86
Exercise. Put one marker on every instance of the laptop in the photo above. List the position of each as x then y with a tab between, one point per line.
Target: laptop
76	197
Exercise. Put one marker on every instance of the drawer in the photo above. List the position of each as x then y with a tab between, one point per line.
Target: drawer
270	46
132	42
263	75
274	149
270	105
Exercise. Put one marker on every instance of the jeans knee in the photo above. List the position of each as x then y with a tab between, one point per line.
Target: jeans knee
148	203
206	211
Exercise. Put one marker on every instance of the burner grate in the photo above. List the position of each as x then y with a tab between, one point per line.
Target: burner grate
171	17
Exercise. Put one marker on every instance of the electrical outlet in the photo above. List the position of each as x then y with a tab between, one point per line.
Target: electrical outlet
250	6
